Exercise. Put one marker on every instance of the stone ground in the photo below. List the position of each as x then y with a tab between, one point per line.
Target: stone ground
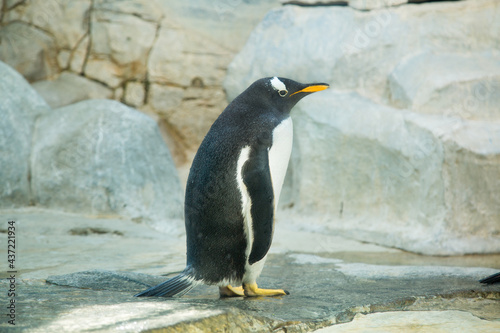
78	274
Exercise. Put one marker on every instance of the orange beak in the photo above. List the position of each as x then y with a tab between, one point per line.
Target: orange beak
313	88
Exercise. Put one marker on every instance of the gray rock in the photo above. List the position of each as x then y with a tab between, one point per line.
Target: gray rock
20	105
118	51
50	16
422	179
376	4
431	83
357	4
28	50
70	88
106	280
134	93
394	177
186	44
357	50
174	60
101	157
415	321
146	10
96	272
319	297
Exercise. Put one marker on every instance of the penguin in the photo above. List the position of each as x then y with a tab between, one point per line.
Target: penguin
233	189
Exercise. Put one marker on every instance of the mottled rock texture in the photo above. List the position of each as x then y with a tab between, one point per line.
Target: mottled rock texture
20	105
102	157
166	58
404	148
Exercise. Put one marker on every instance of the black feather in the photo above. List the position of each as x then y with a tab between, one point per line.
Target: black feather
495	278
176	286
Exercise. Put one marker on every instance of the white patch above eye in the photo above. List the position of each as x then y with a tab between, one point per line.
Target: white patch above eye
277	84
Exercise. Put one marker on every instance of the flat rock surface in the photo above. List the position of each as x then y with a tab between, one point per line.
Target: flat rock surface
79	273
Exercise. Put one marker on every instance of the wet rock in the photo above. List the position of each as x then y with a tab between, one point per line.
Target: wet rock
20	105
99	272
105	280
101	157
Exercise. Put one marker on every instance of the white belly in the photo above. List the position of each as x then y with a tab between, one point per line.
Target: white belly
279	155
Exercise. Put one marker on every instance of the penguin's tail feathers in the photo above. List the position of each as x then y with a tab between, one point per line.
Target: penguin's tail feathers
495	278
175	287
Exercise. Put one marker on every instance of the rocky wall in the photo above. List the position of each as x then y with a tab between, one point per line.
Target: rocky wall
168	59
404	148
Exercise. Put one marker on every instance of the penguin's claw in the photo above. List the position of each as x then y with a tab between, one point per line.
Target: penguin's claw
252	290
230	291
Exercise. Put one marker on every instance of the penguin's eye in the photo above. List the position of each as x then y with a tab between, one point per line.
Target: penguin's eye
283	93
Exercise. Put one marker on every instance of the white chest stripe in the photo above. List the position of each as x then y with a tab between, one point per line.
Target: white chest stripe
279	155
246	203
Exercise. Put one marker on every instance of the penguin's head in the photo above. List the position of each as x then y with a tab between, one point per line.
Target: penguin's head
280	93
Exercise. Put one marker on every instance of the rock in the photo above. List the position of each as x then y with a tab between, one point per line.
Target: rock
50	16
356	4
101	157
134	93
420	178
173	60
191	111
70	88
28	50
164	99
104	71
106	280
114	41
146	10
422	183
354	50
430	83
120	43
376	4
96	272
20	105
415	321
78	56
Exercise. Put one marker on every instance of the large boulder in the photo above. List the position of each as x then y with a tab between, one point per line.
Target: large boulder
102	157
378	174
404	148
357	50
462	85
20	105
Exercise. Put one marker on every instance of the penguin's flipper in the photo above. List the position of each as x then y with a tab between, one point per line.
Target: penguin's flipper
256	175
252	290
176	286
494	278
